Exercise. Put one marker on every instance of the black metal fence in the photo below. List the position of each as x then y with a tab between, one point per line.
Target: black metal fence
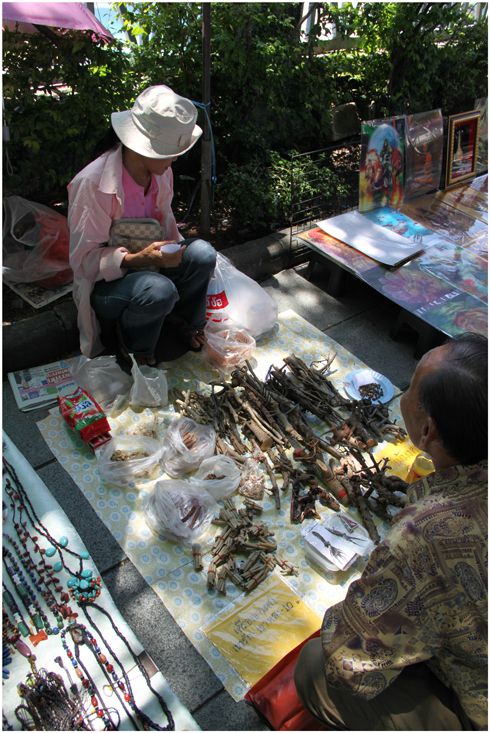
324	183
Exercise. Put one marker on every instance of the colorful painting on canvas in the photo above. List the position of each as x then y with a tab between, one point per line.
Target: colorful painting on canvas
424	152
462	147
458	267
338	252
381	176
468	200
450	223
404	225
430	298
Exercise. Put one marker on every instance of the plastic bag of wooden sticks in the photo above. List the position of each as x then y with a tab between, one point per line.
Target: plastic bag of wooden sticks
179	510
187	444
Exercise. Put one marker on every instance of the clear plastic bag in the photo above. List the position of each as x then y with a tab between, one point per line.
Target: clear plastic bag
123	470
252	482
150	388
179	510
227	345
102	377
219	475
233	295
36	244
187	444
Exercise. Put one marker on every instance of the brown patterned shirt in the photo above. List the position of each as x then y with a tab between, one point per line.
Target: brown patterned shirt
422	596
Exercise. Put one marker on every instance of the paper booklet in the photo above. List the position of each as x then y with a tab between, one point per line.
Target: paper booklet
40	386
337	542
377	242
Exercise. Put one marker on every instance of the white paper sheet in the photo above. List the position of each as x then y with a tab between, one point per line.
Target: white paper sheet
375	241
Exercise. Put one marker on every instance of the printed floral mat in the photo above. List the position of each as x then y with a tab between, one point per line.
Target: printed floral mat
166	566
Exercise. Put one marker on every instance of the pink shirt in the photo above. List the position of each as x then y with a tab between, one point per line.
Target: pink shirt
95	198
137	203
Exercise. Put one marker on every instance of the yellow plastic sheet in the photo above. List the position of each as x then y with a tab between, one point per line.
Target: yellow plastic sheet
260	629
405	460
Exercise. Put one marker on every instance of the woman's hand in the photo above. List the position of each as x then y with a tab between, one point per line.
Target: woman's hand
151	256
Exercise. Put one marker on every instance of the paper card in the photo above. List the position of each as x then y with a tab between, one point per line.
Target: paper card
375	241
261	628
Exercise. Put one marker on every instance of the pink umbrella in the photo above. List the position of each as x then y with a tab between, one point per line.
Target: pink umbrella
26	16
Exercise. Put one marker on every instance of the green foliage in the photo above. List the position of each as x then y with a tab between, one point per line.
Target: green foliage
271	92
58	96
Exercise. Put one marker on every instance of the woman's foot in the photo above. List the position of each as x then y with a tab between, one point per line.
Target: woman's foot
193	338
146	360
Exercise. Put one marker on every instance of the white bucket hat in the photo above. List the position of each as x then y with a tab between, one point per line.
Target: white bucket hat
161	124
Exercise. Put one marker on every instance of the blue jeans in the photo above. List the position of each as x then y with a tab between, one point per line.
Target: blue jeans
141	299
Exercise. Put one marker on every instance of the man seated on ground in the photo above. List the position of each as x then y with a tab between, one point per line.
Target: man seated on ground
407	648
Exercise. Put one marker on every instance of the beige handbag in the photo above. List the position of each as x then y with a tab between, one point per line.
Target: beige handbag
135	234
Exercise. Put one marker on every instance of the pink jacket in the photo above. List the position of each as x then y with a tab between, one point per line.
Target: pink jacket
95	199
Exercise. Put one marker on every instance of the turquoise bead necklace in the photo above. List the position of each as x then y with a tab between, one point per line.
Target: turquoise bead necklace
83	587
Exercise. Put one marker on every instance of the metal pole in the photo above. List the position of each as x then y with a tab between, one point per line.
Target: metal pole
206	137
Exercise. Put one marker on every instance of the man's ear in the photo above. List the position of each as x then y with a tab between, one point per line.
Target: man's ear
429	434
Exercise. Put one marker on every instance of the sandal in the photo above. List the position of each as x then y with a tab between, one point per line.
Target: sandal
193	338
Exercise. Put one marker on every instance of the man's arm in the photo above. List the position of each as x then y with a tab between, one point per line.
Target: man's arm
378	629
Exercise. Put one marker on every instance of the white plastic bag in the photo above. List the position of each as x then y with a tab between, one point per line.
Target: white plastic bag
150	388
227	345
35	244
218	475
124	471
233	295
179	510
102	377
187	444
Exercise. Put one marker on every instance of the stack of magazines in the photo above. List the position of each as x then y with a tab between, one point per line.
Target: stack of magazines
40	386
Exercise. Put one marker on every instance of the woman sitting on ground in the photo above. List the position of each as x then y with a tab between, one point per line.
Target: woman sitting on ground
138	291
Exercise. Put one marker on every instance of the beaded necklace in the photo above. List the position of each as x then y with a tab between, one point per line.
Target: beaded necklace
82	586
85	679
27	596
120	687
37	574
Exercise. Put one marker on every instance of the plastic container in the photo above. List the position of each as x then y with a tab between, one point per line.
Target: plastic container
422	466
170	248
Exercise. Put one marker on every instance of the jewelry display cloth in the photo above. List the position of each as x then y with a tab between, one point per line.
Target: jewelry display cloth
55	520
167	566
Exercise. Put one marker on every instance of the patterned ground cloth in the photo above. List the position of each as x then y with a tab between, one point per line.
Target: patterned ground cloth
166	566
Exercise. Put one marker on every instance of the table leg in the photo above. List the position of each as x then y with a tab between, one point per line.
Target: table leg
427	337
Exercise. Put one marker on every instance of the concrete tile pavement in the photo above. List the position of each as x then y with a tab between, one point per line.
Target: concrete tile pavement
360	320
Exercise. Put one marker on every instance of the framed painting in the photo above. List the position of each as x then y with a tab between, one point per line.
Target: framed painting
462	147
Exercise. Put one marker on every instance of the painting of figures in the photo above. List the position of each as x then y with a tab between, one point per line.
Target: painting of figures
381	174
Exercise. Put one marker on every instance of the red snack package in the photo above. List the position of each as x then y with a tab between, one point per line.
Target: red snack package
83	414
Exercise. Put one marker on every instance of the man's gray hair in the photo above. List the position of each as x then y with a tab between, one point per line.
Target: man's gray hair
455	395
